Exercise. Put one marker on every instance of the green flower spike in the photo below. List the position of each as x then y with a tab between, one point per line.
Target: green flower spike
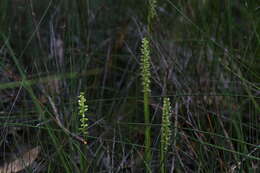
166	124
165	132
83	108
145	66
145	74
152	11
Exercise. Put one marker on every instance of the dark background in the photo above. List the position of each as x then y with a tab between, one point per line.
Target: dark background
205	57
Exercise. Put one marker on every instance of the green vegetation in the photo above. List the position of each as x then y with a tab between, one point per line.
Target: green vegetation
165	132
145	73
203	56
83	108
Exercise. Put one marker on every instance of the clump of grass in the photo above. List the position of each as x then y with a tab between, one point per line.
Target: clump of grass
83	108
165	132
145	73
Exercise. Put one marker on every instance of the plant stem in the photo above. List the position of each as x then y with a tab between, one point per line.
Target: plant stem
148	154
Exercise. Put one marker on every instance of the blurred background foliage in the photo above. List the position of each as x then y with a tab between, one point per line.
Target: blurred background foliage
205	57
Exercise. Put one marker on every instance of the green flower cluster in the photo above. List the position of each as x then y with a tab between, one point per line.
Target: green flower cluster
145	65
152	10
83	108
166	125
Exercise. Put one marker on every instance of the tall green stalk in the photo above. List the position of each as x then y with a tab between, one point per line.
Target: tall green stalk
145	73
151	14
